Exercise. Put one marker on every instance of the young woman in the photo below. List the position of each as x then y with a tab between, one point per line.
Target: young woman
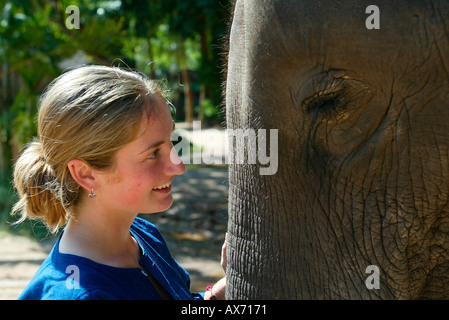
103	155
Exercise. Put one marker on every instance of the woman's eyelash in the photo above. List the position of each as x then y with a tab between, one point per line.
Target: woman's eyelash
153	155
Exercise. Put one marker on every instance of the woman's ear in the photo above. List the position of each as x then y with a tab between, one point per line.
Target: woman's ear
82	173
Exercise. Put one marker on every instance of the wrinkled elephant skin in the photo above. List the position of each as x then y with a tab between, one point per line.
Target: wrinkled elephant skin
363	141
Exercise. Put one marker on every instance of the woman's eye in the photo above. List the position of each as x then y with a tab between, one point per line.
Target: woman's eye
153	155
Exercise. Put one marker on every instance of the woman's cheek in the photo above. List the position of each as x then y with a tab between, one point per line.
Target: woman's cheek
131	195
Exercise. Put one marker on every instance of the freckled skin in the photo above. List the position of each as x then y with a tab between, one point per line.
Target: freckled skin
136	174
363	120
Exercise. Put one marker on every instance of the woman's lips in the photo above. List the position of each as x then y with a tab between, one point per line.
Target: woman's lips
166	188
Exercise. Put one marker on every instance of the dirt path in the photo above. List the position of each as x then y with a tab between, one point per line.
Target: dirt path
20	257
194	228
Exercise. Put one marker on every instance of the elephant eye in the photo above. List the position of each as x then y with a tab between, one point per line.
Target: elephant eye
327	104
324	103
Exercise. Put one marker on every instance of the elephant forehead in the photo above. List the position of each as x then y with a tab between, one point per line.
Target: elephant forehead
334	34
277	45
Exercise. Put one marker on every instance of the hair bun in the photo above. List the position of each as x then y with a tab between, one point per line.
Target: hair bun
37	186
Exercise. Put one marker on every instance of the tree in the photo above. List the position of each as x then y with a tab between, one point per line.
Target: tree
202	22
174	40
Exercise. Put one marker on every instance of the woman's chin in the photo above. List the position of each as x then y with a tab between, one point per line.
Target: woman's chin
163	206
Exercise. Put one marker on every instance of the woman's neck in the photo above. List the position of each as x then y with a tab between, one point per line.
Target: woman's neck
102	237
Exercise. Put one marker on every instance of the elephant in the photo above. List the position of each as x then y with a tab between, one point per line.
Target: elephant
359	95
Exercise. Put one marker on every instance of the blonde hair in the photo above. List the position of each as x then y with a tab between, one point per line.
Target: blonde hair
88	113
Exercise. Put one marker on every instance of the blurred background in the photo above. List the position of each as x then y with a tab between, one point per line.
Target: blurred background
181	43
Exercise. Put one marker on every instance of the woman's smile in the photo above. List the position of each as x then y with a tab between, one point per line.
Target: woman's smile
166	188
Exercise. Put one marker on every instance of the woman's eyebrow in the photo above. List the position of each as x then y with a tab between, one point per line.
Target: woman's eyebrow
156	144
152	146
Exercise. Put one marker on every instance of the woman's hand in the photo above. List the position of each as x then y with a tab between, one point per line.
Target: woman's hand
224	258
218	290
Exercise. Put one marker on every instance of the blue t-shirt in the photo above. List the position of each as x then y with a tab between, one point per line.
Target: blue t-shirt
70	277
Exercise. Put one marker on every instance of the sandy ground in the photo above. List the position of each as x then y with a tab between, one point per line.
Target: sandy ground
194	228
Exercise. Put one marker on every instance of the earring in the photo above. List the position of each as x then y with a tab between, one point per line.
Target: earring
92	194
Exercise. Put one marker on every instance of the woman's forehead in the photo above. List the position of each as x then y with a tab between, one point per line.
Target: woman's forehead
158	121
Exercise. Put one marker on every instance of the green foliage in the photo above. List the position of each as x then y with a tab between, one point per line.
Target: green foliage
163	38
23	125
211	111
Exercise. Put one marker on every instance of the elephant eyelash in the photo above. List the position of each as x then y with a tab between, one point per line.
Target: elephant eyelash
323	102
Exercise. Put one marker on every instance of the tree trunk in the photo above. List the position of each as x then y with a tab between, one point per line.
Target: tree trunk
201	102
205	58
188	96
150	56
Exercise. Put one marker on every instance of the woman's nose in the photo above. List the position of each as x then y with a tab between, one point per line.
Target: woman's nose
176	167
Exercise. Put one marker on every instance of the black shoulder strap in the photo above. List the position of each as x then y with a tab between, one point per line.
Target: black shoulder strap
159	288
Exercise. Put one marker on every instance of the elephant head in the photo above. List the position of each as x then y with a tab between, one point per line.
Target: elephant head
362	120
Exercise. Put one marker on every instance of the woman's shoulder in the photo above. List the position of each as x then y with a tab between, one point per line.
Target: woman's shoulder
59	279
69	277
159	262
